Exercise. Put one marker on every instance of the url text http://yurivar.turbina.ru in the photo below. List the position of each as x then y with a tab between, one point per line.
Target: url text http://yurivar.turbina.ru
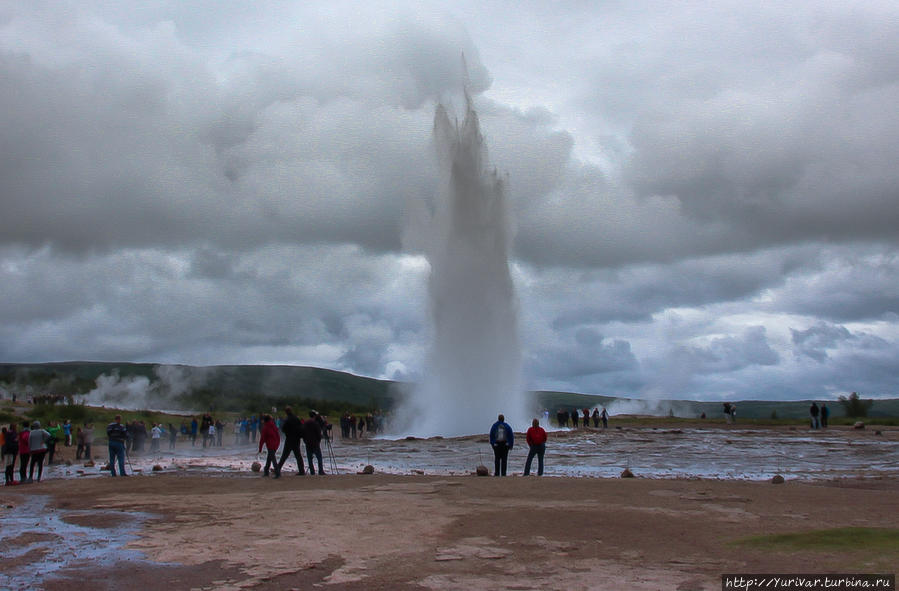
808	582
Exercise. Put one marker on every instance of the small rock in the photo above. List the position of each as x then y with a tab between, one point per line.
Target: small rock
858	425
368	469
627	473
68	462
482	470
157	468
878	432
256	467
778	479
89	464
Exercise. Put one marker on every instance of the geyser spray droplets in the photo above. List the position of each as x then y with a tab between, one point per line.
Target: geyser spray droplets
474	365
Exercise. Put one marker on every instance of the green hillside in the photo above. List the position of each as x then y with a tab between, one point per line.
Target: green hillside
239	388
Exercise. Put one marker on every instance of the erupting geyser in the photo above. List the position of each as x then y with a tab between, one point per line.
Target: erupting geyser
474	365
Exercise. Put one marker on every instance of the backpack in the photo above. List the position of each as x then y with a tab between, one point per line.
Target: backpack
501	434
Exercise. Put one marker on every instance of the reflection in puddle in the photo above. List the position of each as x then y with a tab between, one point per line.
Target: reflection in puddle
44	540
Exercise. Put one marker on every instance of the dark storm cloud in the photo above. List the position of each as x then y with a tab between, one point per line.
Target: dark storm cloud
704	194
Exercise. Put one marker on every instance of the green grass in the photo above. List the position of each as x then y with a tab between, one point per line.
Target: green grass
842	539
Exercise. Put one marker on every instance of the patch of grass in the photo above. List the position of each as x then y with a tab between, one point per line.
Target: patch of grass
842	539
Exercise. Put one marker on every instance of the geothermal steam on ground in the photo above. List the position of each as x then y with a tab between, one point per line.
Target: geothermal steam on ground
474	366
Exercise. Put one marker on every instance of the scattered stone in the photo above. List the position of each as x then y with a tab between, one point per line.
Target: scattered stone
68	462
105	466
482	470
858	425
420	472
89	464
627	473
157	468
778	479
368	469
256	467
878	432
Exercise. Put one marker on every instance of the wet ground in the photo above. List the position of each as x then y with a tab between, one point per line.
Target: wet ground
729	453
50	540
47	540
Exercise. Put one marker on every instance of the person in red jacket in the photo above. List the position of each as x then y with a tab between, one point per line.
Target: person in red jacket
272	439
536	438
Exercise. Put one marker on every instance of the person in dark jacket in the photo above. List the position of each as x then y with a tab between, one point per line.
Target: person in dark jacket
312	437
293	433
118	436
501	440
272	440
10	451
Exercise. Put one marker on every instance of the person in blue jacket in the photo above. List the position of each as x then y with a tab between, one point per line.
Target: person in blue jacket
501	440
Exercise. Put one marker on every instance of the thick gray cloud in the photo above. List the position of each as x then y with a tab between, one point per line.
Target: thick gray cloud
704	195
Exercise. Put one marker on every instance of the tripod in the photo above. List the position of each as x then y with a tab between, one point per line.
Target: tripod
333	462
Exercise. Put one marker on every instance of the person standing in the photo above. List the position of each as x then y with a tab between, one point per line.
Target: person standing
88	433
118	435
293	433
312	438
23	452
67	430
536	439
155	436
10	451
271	439
604	417
825	414
501	440
38	440
55	431
814	411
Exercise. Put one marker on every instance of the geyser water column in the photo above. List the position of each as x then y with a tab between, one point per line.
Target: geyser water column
474	366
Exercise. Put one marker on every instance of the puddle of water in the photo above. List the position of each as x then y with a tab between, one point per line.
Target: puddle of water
46	542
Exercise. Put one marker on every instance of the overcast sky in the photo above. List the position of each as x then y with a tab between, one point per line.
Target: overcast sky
705	194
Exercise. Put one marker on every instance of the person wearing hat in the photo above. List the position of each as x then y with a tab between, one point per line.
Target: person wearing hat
37	447
501	440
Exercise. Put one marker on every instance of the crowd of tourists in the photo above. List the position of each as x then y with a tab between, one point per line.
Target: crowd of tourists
29	444
580	417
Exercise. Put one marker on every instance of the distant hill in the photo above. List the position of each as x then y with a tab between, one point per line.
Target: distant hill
252	387
223	387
